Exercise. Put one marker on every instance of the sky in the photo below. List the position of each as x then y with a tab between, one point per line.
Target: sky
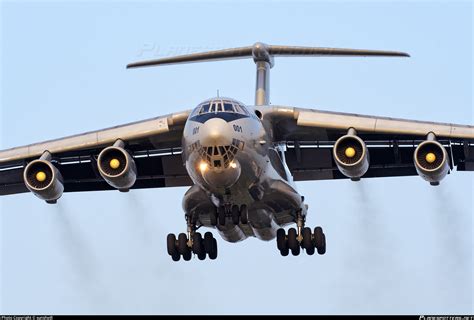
394	245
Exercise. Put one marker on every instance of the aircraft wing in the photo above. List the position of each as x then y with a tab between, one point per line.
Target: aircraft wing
310	136
154	144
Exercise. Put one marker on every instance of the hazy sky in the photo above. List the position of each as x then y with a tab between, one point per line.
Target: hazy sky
394	245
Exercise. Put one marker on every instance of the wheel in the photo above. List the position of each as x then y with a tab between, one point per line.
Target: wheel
183	244
221	215
244	214
308	241
208	242
285	252
235	215
171	244
202	256
293	244
176	256
281	239
318	238
213	253
322	250
213	216
198	247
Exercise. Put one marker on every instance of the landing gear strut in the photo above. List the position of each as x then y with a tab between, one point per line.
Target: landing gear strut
192	242
302	237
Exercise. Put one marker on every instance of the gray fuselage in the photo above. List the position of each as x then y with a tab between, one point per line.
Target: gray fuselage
230	158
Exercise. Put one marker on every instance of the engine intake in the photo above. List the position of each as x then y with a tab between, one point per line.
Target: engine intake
117	167
431	161
44	180
351	156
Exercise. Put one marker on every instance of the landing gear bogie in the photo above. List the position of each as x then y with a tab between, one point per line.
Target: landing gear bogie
301	238
191	243
199	246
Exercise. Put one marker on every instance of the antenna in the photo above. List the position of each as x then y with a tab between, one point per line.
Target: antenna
218	93
263	55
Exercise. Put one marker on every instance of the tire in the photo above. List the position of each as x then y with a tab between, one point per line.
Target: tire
293	244
176	256
213	253
202	256
281	239
322	250
183	244
208	242
221	215
308	241
285	252
235	215
244	212
213	216
171	244
198	247
187	255
307	238
318	238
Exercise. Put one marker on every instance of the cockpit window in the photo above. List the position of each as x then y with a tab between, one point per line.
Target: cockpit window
204	108
215	106
228	107
240	109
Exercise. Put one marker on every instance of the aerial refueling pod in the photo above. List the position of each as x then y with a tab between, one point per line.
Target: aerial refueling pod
351	155
117	166
43	179
431	160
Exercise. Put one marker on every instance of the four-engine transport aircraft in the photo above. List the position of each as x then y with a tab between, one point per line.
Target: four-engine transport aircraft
241	162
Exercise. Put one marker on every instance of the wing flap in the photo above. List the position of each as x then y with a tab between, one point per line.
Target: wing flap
387	159
81	174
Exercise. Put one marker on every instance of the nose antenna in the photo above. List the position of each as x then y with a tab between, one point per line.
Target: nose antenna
263	55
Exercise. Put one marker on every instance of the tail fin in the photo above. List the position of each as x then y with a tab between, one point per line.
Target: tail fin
262	55
260	51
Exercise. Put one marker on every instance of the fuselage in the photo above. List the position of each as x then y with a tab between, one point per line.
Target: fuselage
231	159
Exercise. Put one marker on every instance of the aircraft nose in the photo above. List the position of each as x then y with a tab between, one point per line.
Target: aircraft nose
216	132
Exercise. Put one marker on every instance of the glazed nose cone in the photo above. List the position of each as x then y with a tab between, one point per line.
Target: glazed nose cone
216	132
222	178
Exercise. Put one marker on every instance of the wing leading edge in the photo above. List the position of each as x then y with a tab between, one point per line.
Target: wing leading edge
310	136
154	144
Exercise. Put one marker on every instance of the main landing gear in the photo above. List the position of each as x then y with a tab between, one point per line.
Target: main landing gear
192	242
302	237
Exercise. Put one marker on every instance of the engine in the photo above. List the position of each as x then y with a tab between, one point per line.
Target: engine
431	161
44	180
351	156
117	167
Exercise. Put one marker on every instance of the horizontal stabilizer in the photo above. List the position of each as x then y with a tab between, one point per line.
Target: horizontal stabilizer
263	52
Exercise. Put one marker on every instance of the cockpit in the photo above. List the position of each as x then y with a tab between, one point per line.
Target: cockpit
217	105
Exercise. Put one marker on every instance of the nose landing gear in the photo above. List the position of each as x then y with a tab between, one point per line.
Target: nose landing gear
235	213
301	238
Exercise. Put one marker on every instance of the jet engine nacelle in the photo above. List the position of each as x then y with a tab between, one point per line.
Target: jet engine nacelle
431	161
351	156
44	180
117	167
